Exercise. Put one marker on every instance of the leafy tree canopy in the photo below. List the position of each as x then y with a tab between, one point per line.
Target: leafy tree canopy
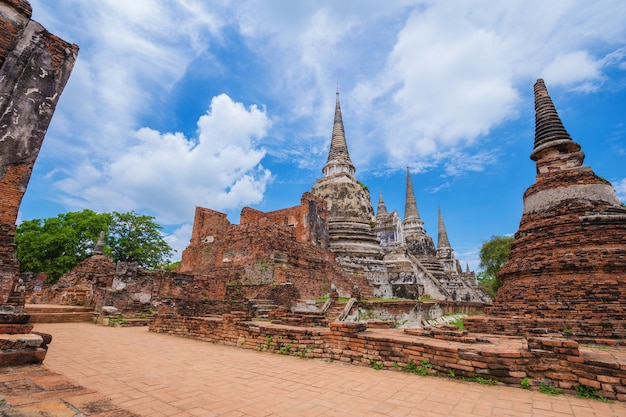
137	238
493	254
57	244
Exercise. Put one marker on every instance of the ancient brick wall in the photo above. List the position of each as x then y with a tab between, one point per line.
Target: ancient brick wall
287	245
309	219
76	287
542	359
34	68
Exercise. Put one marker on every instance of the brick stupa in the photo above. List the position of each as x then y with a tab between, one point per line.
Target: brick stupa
567	268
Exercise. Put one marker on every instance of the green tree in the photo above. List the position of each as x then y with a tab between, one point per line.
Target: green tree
57	244
137	238
493	254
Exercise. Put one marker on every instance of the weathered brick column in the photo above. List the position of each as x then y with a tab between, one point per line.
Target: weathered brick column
567	267
34	68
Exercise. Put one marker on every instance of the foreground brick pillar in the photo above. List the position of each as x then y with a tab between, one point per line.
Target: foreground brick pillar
34	68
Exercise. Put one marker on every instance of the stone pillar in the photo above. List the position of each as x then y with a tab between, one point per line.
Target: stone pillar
34	68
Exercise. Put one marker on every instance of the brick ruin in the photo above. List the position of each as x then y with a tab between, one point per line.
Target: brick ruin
34	68
398	258
563	286
330	245
288	246
567	267
562	296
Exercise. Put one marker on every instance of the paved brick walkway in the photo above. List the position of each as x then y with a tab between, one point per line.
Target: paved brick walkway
159	375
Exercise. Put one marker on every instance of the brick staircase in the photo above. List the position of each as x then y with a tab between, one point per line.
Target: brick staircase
52	313
335	310
262	307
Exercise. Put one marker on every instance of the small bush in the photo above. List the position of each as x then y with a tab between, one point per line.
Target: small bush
585	391
550	390
525	383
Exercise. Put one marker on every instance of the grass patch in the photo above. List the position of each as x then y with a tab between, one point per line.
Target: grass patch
585	391
485	381
376	365
416	369
550	390
525	383
458	323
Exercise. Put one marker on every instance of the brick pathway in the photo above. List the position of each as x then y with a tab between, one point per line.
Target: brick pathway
159	375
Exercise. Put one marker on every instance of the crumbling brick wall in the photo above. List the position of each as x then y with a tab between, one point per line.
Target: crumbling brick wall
289	245
34	68
547	359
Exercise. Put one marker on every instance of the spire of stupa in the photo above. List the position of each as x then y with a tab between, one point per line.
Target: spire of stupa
382	208
338	156
410	207
549	130
442	236
99	248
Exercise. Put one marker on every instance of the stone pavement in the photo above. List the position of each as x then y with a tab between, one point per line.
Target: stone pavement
160	375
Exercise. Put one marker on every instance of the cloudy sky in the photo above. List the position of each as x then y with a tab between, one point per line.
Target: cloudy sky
224	104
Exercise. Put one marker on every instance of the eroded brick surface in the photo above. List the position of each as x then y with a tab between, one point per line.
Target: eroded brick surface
567	267
34	67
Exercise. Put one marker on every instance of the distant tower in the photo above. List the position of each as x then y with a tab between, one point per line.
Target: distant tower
412	221
388	226
417	241
445	253
382	208
99	249
338	156
443	243
350	213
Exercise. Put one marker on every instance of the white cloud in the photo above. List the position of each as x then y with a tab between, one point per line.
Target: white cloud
620	189
422	83
131	54
455	70
169	174
575	67
179	239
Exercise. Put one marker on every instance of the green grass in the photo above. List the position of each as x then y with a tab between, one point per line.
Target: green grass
486	381
376	365
525	383
458	323
418	369
585	391
547	389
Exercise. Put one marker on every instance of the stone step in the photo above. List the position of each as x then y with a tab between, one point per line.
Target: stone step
20	341
52	313
70	317
22	356
55	308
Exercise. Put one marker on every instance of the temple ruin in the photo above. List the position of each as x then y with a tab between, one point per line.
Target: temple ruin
34	68
380	254
254	285
557	322
567	267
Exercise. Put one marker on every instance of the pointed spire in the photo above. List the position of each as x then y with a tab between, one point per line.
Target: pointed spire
549	130
410	206
99	249
442	237
382	209
338	156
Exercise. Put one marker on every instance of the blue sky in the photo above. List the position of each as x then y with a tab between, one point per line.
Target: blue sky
225	104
